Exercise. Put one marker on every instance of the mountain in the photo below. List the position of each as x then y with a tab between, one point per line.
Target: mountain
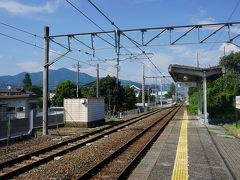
58	76
55	77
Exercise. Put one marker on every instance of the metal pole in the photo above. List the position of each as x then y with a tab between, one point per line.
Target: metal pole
176	92
143	84
45	81
199	99
148	96
109	103
117	46
161	90
8	129
155	91
205	95
97	80
78	79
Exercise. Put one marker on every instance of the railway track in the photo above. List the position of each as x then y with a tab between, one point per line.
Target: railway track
119	163
24	163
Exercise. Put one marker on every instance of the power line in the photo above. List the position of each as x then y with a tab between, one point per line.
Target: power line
24	31
131	40
230	16
20	40
76	8
235	8
54	52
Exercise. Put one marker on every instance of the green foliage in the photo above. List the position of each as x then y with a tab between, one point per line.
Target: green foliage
171	91
129	98
111	92
87	92
66	89
233	129
193	101
118	97
231	62
36	89
27	82
221	93
139	99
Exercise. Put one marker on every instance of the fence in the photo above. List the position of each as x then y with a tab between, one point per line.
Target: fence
11	127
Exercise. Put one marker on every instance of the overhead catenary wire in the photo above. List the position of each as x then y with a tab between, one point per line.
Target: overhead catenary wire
131	40
76	8
22	30
54	52
229	17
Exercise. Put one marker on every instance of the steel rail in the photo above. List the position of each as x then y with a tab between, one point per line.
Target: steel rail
95	169
144	150
62	148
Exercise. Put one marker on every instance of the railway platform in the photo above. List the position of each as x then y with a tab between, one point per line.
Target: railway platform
188	149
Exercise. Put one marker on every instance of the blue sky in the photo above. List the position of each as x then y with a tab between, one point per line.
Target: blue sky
33	15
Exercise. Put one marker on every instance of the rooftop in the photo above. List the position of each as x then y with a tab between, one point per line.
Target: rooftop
182	73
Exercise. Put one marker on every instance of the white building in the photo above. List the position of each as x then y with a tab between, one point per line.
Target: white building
136	90
84	112
17	102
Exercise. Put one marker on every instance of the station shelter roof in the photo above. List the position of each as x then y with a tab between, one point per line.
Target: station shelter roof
182	73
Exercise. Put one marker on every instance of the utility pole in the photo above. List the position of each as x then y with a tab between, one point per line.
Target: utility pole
78	67
143	84
117	49
148	95
109	103
45	81
97	80
155	91
161	90
205	96
197	61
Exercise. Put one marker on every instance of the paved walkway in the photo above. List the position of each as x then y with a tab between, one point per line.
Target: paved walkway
208	153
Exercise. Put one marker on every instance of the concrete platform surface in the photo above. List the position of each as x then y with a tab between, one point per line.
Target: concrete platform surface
210	153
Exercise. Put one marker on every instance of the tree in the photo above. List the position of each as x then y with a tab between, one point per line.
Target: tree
129	98
66	89
111	91
87	92
221	93
171	91
231	62
27	82
139	99
36	89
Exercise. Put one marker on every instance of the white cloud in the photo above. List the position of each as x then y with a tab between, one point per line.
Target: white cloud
18	8
208	20
189	56
30	66
228	48
235	30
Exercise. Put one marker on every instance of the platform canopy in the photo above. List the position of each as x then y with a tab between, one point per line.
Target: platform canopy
182	73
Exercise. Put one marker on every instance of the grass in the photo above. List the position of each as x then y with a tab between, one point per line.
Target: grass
233	129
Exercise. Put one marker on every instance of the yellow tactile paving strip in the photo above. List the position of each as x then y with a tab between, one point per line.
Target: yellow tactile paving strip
180	170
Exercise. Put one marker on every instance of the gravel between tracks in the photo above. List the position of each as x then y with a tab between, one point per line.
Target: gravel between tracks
30	145
75	163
